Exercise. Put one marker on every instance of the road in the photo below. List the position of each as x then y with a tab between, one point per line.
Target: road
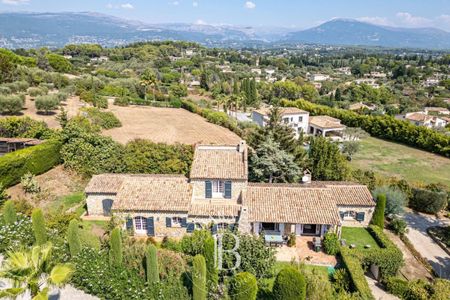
424	244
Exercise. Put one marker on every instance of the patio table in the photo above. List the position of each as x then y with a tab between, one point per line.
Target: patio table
273	239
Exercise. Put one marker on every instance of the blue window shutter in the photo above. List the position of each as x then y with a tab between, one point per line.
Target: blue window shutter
208	189
190	227
228	189
214	229
150	227
168	222
360	216
341	213
183	222
129	224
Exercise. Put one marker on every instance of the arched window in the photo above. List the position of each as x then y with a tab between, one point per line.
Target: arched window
140	223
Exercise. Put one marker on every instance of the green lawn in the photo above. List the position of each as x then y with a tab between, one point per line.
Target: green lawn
64	203
358	236
394	159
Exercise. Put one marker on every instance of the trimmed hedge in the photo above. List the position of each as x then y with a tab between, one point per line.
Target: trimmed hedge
388	258
353	265
36	160
289	284
385	127
215	117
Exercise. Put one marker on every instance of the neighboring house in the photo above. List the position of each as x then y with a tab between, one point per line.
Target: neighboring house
319	77
361	106
13	144
293	117
369	81
422	119
344	70
217	195
326	126
437	110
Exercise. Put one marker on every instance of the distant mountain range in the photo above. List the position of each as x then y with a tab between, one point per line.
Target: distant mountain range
28	30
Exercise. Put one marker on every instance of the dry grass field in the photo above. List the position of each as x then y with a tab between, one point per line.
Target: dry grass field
72	105
167	125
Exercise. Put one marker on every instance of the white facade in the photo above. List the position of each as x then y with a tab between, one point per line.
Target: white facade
297	121
319	77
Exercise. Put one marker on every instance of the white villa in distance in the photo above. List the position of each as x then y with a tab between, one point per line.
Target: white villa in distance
217	195
293	117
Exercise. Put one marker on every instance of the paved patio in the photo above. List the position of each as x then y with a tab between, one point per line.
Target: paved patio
303	251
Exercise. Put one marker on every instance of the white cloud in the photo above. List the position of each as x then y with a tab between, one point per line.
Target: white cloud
15	2
200	22
375	20
408	19
195	4
127	6
175	3
120	6
250	5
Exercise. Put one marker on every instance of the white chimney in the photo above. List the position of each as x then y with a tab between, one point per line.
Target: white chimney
241	146
306	177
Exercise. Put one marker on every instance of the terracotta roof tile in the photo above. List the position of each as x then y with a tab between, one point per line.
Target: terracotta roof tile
219	162
153	193
295	205
105	183
325	122
283	110
205	208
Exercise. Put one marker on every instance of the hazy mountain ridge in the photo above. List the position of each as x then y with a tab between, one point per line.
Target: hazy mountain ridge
27	30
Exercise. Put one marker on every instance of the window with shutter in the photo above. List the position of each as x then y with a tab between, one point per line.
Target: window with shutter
360	216
129	224
208	189
227	189
183	222
168	222
190	227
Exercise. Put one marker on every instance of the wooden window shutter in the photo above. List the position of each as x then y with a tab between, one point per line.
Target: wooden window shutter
150	227
228	189
190	227
129	224
208	189
360	216
168	222
183	222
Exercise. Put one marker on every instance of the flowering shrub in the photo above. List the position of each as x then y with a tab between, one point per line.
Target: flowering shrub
94	275
17	234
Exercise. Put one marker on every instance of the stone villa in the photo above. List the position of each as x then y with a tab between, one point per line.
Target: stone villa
218	195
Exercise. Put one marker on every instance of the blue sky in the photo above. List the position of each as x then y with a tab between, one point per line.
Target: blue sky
283	13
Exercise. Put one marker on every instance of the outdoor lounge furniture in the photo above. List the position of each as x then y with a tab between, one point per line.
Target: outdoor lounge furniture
274	239
317	244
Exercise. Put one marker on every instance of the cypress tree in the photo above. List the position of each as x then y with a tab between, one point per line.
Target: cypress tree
337	95
9	212
152	264
199	278
212	272
40	233
115	244
289	284
73	238
378	214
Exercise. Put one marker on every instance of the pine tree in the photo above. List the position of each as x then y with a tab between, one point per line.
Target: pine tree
337	95
115	244
73	238
199	278
378	214
40	233
327	162
9	212
152	264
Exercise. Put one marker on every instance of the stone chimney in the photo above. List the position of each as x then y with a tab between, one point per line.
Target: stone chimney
243	223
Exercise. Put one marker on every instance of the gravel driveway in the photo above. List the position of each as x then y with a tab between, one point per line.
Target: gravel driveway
424	244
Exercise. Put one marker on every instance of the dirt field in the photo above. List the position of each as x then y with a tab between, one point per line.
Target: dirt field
54	184
72	105
167	125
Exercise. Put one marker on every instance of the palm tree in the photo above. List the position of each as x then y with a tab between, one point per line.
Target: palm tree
148	79
30	270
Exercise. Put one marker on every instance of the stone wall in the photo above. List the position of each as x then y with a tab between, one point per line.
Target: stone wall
367	210
198	189
95	203
159	219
